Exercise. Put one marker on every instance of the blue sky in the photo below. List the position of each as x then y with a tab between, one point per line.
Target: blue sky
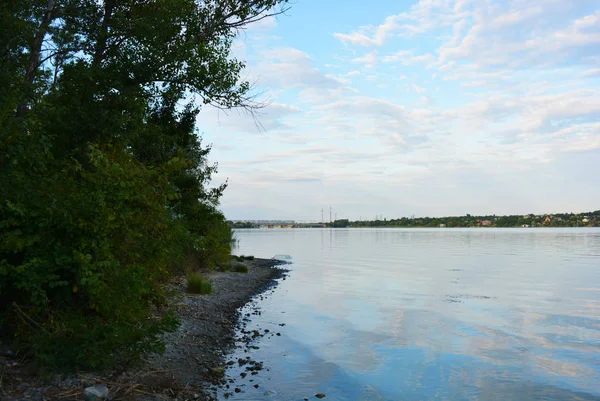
430	107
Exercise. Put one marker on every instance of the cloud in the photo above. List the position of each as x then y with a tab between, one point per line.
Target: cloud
287	67
271	117
418	88
594	72
423	16
369	60
525	37
265	24
369	36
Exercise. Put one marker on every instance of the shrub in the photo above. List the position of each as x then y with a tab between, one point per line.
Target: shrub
214	246
240	268
84	253
197	284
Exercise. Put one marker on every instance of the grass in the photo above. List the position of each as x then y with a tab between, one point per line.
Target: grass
198	284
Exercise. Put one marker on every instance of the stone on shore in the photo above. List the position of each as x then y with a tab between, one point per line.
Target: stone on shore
95	393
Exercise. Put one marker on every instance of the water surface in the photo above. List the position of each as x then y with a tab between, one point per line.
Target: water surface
428	314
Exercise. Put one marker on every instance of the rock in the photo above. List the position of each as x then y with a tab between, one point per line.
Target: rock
320	395
95	393
196	396
238	390
218	371
256	386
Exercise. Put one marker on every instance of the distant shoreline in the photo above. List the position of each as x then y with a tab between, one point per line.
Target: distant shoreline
587	219
412	227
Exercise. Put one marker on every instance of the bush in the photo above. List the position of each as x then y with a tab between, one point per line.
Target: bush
240	268
197	284
84	253
215	243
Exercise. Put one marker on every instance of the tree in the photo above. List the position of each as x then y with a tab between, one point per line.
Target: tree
103	177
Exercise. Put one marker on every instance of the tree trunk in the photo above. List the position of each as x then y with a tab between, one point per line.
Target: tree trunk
109	5
36	50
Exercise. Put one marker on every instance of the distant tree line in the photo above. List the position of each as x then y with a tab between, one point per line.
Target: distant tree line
589	219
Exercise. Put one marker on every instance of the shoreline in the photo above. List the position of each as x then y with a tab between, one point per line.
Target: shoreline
193	363
411	227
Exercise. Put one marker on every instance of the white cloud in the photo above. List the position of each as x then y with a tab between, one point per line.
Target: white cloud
264	24
287	67
369	36
594	72
271	117
369	60
418	88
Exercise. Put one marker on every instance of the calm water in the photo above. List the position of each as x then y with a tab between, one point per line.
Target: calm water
429	314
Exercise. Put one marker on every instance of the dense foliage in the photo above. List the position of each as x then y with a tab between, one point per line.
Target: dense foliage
104	182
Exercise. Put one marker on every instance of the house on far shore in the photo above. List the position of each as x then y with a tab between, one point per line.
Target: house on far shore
586	220
525	226
547	220
442	226
485	223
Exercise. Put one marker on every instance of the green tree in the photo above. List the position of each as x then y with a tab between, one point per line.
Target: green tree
103	178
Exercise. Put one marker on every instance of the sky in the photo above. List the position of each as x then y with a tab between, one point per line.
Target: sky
426	108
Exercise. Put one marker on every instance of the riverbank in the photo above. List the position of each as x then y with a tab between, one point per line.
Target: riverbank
193	362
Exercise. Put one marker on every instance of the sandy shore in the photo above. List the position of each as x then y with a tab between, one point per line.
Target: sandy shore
194	359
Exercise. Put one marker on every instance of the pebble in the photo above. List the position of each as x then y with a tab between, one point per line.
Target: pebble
320	395
95	393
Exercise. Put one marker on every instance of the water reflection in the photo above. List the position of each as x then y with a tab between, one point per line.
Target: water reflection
430	314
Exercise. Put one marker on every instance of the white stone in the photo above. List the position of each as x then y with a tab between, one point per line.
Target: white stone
95	393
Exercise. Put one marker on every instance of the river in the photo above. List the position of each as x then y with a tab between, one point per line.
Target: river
427	314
